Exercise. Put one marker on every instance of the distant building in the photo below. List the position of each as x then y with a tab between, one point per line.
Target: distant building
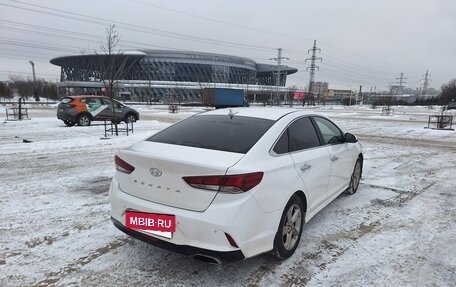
170	75
338	95
319	89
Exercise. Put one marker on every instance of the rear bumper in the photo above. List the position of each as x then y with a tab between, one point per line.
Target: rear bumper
230	256
240	216
67	115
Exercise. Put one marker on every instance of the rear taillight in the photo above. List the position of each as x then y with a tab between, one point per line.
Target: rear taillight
236	183
123	166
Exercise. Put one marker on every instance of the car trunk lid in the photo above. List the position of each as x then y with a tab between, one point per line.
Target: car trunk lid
159	168
65	103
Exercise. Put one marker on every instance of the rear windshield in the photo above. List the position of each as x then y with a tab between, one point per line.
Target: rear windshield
218	132
66	100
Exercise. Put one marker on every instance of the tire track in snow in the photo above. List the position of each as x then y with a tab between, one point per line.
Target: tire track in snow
77	264
401	141
328	250
266	268
403	197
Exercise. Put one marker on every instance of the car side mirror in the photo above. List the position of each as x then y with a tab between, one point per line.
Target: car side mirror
350	138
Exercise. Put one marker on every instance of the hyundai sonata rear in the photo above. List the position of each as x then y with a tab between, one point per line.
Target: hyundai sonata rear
212	186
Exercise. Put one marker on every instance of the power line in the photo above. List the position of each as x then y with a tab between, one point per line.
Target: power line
360	74
26	53
221	22
131	27
338	66
70	34
16	72
345	77
43	46
254	29
357	66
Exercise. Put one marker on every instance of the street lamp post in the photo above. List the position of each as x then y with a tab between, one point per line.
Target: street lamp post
35	95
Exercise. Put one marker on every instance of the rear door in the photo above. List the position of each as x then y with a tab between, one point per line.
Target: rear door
95	107
341	156
311	160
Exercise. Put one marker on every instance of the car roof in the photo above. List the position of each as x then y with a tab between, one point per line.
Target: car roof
270	113
85	96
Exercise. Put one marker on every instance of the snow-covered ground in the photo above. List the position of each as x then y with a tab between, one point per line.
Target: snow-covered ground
398	230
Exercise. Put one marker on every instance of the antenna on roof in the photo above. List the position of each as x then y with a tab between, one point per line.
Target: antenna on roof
231	114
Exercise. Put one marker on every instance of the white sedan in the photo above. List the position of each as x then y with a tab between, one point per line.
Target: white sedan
233	183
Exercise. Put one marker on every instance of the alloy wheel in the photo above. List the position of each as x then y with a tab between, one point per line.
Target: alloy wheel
130	119
292	227
84	121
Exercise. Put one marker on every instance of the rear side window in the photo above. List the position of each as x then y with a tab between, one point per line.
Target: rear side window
218	132
92	101
66	100
282	145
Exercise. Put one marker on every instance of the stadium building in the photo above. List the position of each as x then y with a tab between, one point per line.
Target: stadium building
160	75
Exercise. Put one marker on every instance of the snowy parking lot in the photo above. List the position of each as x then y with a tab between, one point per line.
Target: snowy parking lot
399	229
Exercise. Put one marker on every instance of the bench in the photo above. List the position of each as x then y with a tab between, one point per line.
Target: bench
172	109
440	122
13	114
110	127
387	111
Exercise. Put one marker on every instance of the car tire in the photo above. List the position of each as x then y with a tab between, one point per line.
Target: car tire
84	120
290	228
130	118
69	123
355	178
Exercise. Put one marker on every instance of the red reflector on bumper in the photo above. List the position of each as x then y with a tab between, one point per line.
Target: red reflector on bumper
231	240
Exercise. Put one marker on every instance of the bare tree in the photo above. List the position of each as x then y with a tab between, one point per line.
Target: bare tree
6	91
24	87
290	94
448	92
111	66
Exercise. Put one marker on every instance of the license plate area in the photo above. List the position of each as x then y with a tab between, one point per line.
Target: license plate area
151	223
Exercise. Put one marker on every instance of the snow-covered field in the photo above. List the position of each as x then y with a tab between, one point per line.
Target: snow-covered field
398	230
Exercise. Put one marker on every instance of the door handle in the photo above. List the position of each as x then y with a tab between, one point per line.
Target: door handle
334	158
305	167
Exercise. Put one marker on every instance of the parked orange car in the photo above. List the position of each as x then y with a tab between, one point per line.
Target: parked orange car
82	110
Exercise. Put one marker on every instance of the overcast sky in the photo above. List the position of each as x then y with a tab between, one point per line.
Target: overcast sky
363	42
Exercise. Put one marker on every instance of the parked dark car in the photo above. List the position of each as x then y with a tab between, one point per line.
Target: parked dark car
82	110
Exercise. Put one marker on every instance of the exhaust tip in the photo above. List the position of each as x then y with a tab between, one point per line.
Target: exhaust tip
207	259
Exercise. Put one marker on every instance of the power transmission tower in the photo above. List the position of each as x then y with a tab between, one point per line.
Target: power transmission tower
401	83
312	67
279	65
426	81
